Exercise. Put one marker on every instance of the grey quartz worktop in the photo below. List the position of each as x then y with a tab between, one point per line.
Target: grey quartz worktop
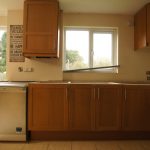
13	84
95	82
24	84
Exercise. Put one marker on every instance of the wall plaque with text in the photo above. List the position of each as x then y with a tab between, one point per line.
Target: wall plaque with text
16	43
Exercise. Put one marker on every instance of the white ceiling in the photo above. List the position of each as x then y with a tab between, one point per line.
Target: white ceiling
92	6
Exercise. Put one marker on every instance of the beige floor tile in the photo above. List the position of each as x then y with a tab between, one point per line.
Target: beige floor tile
107	145
59	145
11	146
146	144
36	146
85	145
130	145
78	145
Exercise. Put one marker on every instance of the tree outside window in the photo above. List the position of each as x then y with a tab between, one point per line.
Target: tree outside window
2	54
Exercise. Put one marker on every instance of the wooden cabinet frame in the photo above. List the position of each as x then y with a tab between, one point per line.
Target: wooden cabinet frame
142	28
136	108
47	107
81	107
108	107
41	28
89	107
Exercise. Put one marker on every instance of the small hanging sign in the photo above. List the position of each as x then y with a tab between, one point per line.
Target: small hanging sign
16	43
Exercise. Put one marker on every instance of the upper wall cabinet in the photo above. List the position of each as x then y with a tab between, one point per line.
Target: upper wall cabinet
41	28
142	28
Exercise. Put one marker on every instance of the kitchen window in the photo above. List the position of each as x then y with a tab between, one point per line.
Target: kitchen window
90	49
2	53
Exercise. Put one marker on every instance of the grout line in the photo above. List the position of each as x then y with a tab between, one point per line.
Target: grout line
48	146
22	148
71	145
95	146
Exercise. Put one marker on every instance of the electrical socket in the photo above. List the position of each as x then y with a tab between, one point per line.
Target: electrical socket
29	69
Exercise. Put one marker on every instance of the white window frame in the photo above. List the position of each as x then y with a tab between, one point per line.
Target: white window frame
92	30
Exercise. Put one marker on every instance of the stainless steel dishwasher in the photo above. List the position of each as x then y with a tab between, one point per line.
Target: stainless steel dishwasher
13	111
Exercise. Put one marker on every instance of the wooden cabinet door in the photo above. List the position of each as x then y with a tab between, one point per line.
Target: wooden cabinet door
109	100
81	107
148	25
47	107
136	114
140	29
40	28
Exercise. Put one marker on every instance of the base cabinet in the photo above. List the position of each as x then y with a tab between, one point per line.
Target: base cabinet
89	108
47	107
81	108
136	112
108	113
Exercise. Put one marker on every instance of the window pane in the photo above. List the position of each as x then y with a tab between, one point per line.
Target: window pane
102	49
76	49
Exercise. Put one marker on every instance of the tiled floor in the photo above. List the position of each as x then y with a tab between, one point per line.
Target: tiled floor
78	145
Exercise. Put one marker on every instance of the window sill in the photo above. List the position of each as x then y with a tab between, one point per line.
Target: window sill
107	69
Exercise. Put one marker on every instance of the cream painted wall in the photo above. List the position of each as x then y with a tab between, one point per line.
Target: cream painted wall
44	69
133	64
3	20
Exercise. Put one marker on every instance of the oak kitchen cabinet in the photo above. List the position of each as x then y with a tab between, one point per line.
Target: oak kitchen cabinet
85	107
81	107
41	19
95	107
136	111
59	107
47	107
142	28
108	108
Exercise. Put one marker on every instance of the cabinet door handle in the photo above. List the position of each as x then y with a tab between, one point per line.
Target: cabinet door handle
98	94
55	44
94	93
125	95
